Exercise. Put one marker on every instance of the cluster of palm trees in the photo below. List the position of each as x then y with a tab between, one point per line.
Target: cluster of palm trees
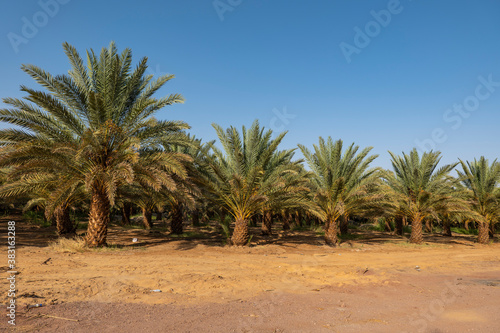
90	140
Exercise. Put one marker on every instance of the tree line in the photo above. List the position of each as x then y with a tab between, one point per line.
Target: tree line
89	139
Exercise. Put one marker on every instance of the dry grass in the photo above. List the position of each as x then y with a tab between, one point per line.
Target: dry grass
71	245
77	244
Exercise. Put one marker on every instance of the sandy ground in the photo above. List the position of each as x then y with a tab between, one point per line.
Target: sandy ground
287	283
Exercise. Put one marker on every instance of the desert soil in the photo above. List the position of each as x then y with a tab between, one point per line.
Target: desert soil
285	283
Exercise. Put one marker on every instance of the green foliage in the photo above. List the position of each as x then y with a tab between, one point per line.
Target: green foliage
482	181
225	225
189	234
342	182
463	231
421	190
346	237
250	174
91	132
37	218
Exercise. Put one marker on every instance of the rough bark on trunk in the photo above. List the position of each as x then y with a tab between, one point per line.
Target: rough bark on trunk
126	212
344	225
331	237
416	236
387	225
399	225
267	223
97	229
492	230
298	219
146	218
428	226
240	234
287	218
483	236
176	223
446	228
63	221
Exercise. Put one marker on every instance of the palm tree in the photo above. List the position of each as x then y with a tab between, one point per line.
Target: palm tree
241	180
285	184
343	184
42	182
422	191
482	181
102	116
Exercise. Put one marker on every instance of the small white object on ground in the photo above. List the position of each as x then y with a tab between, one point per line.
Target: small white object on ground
134	240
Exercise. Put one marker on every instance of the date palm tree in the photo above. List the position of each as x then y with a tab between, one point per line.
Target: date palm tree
421	190
482	181
38	177
101	116
343	183
242	181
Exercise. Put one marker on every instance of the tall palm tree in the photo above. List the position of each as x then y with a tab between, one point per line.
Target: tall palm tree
241	179
421	190
482	181
102	115
343	183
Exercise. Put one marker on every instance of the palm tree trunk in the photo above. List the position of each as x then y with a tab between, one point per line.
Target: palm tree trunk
240	234
126	212
446	228
195	216
344	225
428	226
416	236
254	220
267	223
287	218
308	219
97	229
146	218
483	235
176	224
298	219
387	225
399	225
331	237
492	230
63	221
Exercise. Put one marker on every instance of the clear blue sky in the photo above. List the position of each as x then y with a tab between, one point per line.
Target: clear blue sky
275	55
